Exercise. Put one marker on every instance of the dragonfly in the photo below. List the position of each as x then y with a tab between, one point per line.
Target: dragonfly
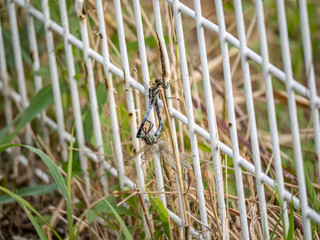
154	92
153	96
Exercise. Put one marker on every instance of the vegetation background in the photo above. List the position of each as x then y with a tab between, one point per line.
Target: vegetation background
31	208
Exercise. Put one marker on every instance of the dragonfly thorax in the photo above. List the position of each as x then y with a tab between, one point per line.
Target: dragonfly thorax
148	139
154	90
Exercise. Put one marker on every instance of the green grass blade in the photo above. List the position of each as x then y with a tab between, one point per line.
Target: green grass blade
276	227
29	206
311	190
120	221
40	102
125	230
54	170
37	190
291	221
56	174
69	202
36	225
163	214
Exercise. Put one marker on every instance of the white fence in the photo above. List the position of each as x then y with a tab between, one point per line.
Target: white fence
293	88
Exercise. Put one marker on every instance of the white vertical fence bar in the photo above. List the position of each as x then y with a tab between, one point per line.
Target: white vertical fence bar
286	58
232	119
74	90
130	103
54	77
252	120
81	13
5	80
110	89
33	47
308	59
191	123
36	64
18	63
271	111
214	138
146	79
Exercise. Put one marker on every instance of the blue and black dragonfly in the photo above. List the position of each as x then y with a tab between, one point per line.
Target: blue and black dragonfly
152	144
154	92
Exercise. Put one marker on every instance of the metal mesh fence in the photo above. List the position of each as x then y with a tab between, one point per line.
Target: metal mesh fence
242	102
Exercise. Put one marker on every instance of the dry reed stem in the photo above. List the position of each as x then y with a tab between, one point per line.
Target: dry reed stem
145	213
176	157
175	151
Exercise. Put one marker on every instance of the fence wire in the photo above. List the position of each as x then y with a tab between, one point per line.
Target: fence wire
180	14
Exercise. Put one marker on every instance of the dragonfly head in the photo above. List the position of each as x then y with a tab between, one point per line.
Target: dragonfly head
158	81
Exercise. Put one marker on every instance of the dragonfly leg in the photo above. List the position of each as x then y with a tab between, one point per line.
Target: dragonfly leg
167	85
150	126
139	135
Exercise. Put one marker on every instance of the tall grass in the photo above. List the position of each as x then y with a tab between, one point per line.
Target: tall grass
62	210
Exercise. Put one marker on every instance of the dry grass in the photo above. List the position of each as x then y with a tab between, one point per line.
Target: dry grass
14	220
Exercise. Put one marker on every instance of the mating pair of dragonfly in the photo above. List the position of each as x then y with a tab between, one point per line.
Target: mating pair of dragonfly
152	144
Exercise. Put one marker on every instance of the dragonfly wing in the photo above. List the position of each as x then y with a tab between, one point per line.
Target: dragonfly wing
148	152
153	149
168	154
138	153
185	163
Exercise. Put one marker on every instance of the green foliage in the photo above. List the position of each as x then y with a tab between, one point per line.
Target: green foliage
65	189
291	221
101	95
124	125
125	120
133	45
69	174
313	198
40	102
187	144
106	206
163	213
76	167
87	121
204	147
27	206
36	225
291	229
54	170
37	190
311	191
44	71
